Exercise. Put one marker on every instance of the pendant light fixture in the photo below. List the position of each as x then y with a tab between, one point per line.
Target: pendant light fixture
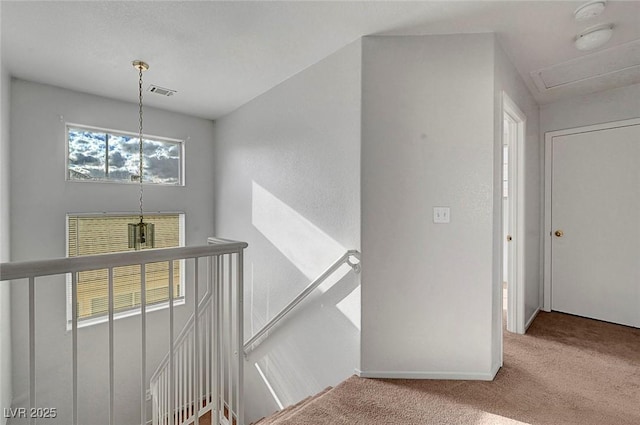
141	235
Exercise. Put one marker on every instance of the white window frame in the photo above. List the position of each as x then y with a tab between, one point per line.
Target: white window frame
179	142
179	299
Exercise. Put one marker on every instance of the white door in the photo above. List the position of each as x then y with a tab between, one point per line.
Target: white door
595	224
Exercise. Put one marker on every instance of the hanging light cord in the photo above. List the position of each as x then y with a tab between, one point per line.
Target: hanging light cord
140	137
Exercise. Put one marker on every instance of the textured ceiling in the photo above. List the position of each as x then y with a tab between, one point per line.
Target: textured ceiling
220	55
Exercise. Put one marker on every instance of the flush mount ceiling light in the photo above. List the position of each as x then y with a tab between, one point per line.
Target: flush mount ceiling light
589	10
594	37
141	235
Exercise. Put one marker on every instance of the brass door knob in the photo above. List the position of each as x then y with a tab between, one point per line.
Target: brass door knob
509	238
559	233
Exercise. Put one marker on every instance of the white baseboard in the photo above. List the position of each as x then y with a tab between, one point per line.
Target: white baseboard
466	376
531	319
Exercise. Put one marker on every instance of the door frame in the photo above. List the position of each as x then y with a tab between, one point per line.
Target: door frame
548	184
515	282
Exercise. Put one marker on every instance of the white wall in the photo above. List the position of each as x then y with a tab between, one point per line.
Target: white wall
288	182
508	79
428	140
606	106
40	200
5	288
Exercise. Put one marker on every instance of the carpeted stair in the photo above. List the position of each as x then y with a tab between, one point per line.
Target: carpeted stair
287	412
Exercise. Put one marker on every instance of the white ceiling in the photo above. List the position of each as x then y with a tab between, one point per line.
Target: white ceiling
220	55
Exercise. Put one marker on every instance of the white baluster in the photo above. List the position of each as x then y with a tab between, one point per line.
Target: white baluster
111	361
32	347
74	346
143	360
171	395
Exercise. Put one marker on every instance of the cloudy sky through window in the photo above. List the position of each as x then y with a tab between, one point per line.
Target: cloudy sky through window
88	157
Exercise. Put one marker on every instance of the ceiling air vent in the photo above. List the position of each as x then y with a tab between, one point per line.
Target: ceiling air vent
161	90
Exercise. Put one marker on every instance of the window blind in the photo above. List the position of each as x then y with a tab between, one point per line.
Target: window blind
102	234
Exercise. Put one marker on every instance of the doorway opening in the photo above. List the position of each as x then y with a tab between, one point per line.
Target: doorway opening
513	233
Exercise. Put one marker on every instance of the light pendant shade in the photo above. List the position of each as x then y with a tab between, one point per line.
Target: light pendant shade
594	37
141	235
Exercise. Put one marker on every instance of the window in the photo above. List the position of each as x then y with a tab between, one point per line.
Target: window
95	154
89	234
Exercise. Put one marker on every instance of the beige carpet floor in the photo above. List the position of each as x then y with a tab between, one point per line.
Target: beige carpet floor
566	370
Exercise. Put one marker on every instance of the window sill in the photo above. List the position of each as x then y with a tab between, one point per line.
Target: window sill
127	313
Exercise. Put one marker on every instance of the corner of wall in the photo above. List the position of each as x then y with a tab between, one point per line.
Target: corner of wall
497	263
5	294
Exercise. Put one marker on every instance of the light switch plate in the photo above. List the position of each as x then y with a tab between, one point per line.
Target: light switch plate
441	215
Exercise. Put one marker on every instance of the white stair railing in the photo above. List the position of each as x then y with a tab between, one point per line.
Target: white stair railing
191	377
203	372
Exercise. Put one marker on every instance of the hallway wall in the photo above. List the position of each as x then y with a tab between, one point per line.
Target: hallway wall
287	181
605	106
428	140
